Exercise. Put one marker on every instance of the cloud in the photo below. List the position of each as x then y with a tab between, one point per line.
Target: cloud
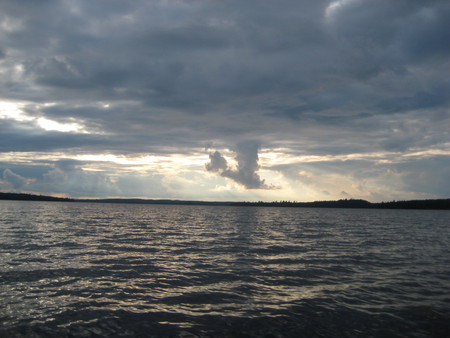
245	172
132	78
15	180
337	5
217	163
68	175
84	179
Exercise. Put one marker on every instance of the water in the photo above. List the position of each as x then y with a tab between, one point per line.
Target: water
117	270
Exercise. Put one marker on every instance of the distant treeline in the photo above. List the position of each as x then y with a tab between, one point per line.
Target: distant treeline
31	197
438	204
416	204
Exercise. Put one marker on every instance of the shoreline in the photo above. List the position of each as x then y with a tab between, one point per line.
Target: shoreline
430	204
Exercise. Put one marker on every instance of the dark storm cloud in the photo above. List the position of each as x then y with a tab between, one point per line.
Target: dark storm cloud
313	77
433	97
199	55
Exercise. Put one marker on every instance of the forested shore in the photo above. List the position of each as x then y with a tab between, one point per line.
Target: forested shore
435	204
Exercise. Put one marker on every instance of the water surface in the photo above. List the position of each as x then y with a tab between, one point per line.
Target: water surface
124	270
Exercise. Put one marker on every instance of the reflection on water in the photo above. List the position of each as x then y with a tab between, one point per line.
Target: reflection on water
74	269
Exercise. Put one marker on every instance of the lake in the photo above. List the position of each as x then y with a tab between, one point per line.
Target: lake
128	270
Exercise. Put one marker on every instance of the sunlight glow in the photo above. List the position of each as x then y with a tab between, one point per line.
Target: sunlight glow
15	111
10	110
148	162
430	152
277	157
62	127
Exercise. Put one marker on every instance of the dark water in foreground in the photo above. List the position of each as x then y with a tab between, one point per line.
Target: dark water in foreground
107	270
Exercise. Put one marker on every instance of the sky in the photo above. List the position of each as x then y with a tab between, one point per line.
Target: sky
249	100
